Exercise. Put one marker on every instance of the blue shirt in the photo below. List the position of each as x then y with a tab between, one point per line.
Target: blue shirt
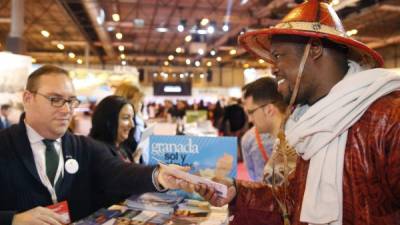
251	153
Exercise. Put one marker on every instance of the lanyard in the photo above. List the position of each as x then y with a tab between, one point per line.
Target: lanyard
260	145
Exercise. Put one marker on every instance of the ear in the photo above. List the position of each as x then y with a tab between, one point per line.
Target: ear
26	97
268	110
316	49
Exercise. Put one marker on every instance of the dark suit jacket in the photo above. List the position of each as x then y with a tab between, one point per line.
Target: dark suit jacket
5	124
100	176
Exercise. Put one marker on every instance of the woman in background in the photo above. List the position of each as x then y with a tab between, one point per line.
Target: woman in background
135	97
112	123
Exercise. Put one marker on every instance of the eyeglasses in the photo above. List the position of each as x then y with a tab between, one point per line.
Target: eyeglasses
251	111
58	102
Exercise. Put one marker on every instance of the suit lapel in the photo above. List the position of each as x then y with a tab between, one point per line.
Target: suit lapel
64	185
24	150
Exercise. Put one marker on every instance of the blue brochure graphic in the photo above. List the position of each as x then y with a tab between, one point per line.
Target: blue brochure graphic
207	156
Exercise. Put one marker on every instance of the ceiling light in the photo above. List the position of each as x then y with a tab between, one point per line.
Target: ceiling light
155	74
188	62
209	63
181	26
352	32
121	48
110	28
232	52
225	28
166	63
243	2
201	76
213	52
188	38
335	2
100	17
197	63
123	56
71	55
170	57
115	17
178	50
162	29
138	22
181	75
204	21
45	33
200	51
60	46
202	31
123	63
119	35
210	29
261	61
79	61
219	59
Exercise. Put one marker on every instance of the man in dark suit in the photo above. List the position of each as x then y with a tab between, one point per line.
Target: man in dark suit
5	111
42	164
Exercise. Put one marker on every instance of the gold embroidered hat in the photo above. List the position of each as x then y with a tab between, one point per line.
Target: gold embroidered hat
313	18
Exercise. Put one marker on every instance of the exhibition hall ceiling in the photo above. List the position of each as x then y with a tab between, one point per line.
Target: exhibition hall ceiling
174	32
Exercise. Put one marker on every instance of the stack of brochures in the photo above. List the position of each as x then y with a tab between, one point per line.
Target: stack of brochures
101	216
158	202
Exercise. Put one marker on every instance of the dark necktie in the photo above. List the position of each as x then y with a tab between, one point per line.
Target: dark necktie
51	160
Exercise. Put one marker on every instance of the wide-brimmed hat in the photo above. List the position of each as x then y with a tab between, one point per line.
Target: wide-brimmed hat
313	18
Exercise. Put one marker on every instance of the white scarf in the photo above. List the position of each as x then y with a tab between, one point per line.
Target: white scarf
320	136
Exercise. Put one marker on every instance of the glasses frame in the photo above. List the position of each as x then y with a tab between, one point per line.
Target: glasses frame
252	111
72	103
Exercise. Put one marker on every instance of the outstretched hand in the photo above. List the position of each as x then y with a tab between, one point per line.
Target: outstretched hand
210	194
169	180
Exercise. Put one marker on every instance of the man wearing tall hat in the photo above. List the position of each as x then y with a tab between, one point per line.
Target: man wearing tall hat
347	140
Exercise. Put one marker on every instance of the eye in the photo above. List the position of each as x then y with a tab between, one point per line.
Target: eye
277	55
56	100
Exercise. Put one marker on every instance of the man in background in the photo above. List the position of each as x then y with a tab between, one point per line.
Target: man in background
265	108
5	112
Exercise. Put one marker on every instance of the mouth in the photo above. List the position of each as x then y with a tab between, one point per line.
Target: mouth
281	81
63	121
283	86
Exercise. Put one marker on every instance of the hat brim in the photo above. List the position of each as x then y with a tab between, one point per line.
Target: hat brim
258	43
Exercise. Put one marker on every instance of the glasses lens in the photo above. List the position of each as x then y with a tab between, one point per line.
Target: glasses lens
75	103
57	102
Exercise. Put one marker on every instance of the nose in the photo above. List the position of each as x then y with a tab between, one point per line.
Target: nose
131	123
250	118
274	69
66	108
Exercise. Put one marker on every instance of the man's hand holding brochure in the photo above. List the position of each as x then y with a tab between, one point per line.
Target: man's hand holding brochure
218	194
221	189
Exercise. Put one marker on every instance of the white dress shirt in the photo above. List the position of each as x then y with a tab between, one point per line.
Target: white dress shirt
38	149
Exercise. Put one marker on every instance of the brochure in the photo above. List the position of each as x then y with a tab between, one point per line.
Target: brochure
153	201
62	209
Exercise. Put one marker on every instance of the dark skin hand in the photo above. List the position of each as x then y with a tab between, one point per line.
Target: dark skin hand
209	194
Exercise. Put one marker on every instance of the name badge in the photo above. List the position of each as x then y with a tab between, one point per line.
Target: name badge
71	166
